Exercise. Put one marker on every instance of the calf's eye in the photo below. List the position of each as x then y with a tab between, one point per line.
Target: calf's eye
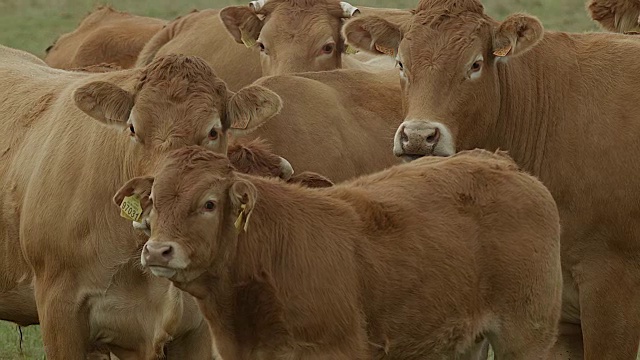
213	134
476	66
209	205
132	129
328	48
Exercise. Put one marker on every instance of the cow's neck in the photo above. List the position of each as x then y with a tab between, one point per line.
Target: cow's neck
534	96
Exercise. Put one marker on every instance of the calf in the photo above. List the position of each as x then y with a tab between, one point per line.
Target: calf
423	259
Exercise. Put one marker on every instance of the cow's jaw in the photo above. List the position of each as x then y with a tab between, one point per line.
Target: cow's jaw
162	271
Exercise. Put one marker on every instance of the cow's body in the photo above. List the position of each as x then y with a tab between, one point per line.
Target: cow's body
337	123
104	36
418	261
563	106
58	172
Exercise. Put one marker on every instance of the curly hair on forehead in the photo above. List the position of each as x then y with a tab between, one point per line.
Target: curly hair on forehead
452	7
197	157
181	76
331	6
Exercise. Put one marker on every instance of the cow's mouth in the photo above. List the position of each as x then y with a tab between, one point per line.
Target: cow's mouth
162	271
410	157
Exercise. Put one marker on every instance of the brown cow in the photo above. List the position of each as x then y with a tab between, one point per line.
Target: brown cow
418	261
104	36
70	139
621	16
337	123
563	106
203	34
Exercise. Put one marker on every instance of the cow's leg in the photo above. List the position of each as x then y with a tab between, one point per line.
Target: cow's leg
609	296
569	344
478	351
63	320
18	305
195	344
524	338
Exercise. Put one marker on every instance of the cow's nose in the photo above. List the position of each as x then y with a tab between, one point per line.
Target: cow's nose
417	140
157	253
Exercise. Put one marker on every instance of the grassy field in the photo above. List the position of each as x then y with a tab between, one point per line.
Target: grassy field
33	25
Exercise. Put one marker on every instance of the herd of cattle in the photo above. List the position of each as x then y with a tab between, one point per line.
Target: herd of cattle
521	232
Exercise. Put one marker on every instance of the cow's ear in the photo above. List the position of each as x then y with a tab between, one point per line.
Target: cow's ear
244	196
616	16
140	186
311	179
517	34
373	34
242	23
104	102
251	107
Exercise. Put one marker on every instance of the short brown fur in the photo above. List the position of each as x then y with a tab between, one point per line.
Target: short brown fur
104	36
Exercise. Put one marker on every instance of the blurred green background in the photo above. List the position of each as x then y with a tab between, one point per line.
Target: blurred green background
33	25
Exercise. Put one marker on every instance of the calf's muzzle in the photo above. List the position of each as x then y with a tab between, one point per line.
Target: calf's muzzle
415	139
157	253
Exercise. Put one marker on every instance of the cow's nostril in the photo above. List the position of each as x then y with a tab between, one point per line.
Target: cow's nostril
433	138
403	135
167	252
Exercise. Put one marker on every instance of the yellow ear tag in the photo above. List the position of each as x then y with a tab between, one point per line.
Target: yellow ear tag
385	50
502	52
248	41
239	220
351	50
130	208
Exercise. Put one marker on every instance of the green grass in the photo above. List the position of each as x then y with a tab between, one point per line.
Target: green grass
32	25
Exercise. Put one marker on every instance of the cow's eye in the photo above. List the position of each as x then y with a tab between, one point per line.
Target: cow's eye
400	66
209	206
132	129
213	134
476	66
260	46
328	48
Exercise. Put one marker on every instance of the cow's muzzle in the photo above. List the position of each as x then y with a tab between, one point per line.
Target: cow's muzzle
415	139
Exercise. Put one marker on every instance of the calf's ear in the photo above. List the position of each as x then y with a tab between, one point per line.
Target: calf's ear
242	23
104	102
517	34
373	34
140	186
311	179
243	196
251	107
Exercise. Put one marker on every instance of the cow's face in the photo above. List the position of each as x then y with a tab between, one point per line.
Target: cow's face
291	36
194	205
447	54
177	101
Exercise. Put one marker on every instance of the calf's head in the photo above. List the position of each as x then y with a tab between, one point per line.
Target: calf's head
448	55
176	101
291	35
197	205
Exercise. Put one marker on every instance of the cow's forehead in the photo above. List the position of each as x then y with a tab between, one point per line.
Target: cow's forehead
439	34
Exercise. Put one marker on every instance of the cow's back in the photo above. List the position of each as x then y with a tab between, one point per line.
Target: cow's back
338	123
455	238
202	34
104	36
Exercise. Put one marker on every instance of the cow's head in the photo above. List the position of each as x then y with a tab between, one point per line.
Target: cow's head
448	54
616	15
194	203
176	101
292	36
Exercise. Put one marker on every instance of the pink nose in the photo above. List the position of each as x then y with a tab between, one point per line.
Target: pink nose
418	139
157	253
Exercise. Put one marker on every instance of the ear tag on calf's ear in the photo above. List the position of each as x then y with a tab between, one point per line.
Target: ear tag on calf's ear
241	218
385	50
503	51
351	50
247	40
130	208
